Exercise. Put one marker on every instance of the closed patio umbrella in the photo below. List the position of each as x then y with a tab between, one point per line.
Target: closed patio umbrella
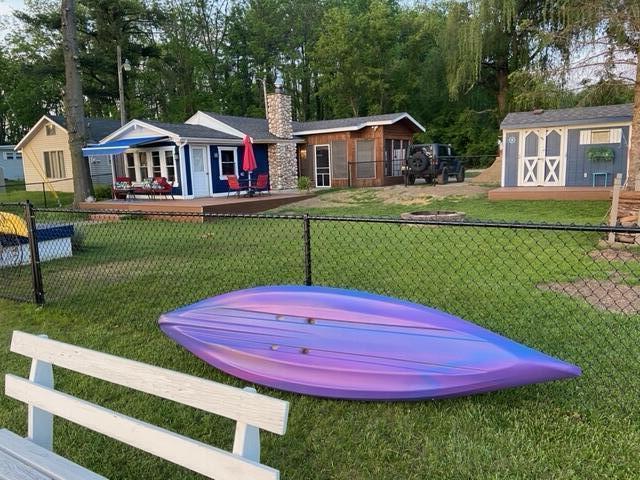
248	159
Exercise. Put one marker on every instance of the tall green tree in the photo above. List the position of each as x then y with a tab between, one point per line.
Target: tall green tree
617	23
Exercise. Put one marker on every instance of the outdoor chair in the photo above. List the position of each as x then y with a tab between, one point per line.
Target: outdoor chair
121	187
234	185
262	184
160	186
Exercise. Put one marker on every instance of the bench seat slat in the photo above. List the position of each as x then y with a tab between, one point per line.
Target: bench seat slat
12	469
264	412
51	465
196	456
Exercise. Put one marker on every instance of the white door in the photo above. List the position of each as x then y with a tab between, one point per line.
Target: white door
200	178
323	166
542	158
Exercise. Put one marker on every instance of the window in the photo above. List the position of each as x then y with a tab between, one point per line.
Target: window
156	166
131	166
365	159
227	162
144	165
339	159
54	164
171	168
50	129
602	135
394	153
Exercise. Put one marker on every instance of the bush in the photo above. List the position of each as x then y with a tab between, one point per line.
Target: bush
102	192
304	183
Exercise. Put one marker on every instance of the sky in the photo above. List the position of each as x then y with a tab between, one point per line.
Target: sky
7	5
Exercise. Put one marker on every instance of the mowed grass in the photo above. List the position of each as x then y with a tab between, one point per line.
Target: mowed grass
15	192
124	275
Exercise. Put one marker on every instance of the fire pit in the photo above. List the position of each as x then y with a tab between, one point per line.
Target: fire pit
435	215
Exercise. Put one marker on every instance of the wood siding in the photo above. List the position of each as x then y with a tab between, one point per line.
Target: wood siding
33	159
399	131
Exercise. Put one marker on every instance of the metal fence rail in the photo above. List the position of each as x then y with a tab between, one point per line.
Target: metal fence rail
556	288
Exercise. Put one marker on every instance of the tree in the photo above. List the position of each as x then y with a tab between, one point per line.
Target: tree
74	104
614	25
487	40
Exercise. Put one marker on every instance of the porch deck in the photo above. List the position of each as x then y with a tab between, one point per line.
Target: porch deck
232	204
550	193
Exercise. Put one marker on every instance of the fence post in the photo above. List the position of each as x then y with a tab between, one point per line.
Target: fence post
44	195
36	273
613	215
306	232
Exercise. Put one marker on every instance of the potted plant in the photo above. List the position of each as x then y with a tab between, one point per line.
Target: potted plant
600	154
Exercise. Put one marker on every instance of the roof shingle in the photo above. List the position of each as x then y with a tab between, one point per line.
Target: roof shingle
569	116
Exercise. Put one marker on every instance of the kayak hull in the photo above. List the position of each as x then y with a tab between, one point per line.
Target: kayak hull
349	344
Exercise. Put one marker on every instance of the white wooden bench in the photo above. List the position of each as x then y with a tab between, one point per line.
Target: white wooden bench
31	458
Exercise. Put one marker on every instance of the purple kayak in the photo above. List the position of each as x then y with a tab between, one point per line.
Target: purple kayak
349	344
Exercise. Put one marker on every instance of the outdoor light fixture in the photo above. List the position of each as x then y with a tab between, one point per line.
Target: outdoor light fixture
126	66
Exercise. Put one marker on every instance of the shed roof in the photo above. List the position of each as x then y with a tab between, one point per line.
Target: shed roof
355	123
569	116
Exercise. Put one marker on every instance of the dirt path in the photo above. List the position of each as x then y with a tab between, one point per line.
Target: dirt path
398	194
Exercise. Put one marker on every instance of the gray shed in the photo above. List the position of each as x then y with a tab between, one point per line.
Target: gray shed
569	147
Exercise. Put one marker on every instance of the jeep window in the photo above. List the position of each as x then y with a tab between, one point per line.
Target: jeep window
443	151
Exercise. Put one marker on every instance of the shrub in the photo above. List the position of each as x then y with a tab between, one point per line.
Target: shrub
304	183
102	192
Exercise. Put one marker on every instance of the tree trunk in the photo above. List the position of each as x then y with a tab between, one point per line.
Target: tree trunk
502	76
74	104
633	180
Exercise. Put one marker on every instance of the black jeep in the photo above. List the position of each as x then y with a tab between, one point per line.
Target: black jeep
434	162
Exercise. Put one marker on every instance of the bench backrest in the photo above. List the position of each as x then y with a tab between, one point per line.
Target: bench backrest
250	410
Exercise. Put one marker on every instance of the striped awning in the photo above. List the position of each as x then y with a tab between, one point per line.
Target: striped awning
118	146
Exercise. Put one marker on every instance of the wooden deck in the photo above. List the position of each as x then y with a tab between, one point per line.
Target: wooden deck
550	193
232	204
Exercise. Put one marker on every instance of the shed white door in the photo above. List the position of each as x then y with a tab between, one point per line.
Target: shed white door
200	177
542	154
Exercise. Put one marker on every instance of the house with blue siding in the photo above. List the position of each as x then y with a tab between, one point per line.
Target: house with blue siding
197	156
571	147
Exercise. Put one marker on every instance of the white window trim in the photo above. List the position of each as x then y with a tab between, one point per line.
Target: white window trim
163	162
586	135
235	160
315	164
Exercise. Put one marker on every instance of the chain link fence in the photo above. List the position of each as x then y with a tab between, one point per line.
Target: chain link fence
556	288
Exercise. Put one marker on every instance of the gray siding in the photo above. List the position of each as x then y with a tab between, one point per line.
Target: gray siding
511	160
580	169
100	169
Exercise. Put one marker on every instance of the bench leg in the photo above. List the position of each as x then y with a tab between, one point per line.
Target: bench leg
41	421
246	442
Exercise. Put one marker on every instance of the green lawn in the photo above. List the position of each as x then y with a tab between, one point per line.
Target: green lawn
15	192
123	275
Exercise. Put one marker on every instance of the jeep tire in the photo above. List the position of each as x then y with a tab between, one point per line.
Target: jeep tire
443	179
460	175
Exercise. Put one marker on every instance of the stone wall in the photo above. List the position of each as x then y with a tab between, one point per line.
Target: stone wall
283	165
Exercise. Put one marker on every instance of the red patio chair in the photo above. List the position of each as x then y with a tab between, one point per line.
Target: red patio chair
262	184
161	186
119	190
234	185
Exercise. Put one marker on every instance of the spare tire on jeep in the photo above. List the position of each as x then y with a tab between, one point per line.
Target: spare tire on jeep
418	161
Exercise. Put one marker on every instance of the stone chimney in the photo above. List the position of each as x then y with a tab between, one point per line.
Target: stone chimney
283	165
